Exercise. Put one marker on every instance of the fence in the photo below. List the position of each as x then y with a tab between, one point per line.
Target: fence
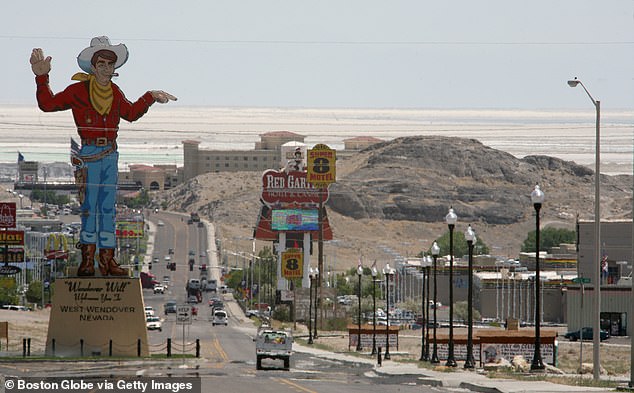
24	348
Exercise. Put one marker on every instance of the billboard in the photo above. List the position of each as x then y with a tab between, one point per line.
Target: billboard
295	220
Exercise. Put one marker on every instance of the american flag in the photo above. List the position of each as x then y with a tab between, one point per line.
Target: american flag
74	151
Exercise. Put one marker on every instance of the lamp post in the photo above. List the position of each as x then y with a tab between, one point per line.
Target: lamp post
596	321
427	310
310	306
435	251
451	219
387	272
537	197
316	277
470	237
359	273
424	319
374	273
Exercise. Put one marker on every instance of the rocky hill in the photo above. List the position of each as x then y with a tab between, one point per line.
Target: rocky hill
396	194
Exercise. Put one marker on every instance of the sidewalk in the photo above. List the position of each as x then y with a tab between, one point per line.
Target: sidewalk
459	378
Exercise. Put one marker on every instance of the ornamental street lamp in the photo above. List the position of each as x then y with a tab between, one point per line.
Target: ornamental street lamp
424	319
596	321
310	305
316	277
435	251
374	273
359	273
470	237
451	219
388	273
537	197
428	268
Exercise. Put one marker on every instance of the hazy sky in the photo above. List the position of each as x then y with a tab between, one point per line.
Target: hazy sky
337	53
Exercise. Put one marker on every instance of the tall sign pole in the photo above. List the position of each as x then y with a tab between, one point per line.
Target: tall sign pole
320	173
8	219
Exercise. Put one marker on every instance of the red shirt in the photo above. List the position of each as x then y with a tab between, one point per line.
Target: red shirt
91	124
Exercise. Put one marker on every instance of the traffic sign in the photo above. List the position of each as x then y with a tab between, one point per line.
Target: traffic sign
581	280
321	166
184	314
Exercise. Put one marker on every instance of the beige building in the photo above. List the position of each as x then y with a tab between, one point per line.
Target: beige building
152	178
266	155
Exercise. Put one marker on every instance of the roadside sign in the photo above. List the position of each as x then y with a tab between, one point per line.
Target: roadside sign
292	263
184	314
581	280
7	215
321	166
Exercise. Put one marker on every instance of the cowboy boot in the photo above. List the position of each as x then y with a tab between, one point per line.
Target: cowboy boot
87	266
107	261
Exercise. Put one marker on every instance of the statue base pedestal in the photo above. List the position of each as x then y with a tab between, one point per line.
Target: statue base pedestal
97	316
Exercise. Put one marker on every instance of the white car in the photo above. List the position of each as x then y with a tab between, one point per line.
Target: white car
149	311
153	323
219	317
159	288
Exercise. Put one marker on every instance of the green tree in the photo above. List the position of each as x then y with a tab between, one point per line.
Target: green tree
460	310
34	293
460	246
8	291
51	197
548	238
139	201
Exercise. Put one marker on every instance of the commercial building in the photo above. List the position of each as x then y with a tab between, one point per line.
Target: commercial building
615	259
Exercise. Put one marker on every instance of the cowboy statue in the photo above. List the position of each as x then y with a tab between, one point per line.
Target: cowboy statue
97	105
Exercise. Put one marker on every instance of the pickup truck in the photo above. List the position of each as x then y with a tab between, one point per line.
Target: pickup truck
273	344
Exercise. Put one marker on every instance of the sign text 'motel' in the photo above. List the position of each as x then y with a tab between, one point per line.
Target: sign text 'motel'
321	166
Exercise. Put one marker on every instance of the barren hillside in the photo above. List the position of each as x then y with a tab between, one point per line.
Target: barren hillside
396	194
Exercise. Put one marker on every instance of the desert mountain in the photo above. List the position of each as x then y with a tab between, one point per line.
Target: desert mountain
395	195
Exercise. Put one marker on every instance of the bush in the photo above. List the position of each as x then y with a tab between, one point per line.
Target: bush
282	313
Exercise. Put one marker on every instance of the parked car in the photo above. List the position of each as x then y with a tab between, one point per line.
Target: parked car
153	323
587	334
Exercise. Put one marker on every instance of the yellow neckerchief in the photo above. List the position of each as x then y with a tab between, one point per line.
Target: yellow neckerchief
100	96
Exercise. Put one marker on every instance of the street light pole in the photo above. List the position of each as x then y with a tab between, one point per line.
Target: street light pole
596	321
435	251
387	272
316	276
470	238
537	197
374	273
359	273
310	306
427	312
424	319
451	219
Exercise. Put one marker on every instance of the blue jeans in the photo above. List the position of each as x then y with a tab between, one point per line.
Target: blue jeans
98	208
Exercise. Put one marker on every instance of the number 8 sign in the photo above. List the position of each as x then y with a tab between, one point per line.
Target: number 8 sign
292	263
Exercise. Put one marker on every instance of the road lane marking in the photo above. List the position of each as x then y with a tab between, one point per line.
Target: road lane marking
294	385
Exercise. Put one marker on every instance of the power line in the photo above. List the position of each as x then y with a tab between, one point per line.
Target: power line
337	42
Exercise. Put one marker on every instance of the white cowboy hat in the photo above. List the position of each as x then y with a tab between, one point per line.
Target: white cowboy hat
102	43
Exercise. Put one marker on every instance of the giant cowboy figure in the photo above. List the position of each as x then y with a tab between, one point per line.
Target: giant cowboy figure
97	105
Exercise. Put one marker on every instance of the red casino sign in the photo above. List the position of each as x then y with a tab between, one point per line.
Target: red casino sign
290	187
